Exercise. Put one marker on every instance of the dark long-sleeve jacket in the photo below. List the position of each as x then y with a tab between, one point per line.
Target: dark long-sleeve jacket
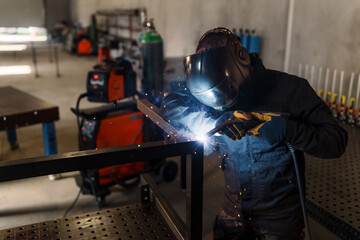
260	181
310	125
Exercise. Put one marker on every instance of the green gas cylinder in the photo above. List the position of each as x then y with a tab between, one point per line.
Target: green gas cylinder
152	82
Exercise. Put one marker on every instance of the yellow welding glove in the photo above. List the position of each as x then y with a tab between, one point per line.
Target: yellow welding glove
235	124
272	129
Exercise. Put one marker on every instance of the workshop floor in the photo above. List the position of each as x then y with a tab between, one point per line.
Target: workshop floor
39	199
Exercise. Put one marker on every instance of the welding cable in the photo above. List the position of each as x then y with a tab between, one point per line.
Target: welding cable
93	189
124	183
77	113
301	191
74	202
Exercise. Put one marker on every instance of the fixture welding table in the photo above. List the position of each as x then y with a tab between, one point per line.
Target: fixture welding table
128	222
333	189
19	109
135	221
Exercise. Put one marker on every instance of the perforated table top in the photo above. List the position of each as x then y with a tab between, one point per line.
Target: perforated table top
333	185
135	221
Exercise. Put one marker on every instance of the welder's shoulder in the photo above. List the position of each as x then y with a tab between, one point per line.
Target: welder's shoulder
287	81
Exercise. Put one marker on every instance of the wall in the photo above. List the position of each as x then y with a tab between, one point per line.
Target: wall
55	12
181	23
326	34
324	31
21	13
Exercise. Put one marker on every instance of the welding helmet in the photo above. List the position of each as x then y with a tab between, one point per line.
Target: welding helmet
218	73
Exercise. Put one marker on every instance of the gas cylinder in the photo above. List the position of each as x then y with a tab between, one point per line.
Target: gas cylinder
152	82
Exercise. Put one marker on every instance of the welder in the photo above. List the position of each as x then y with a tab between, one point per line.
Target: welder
261	196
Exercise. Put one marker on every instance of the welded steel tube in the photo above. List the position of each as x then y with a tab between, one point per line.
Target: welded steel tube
333	83
319	82
341	87
312	75
357	100
300	70
350	88
327	76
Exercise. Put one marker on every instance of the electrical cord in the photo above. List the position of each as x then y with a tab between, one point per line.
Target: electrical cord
74	202
301	191
77	112
93	189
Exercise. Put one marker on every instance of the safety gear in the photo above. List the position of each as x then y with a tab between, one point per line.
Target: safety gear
270	126
273	129
260	180
217	75
236	124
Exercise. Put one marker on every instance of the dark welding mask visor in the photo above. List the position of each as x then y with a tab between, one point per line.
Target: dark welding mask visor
213	77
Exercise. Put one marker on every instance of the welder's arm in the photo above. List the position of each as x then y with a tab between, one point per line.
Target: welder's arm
181	106
269	126
312	128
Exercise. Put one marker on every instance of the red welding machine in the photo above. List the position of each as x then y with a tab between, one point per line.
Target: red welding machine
110	130
111	81
114	125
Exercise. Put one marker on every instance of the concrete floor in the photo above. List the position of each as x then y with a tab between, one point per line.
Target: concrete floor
39	199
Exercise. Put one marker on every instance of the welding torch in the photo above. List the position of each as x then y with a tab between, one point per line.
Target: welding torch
246	124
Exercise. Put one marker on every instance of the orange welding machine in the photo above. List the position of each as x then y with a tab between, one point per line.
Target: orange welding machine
110	125
111	81
109	128
116	124
84	47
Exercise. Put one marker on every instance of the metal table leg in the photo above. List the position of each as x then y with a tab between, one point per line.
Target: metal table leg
183	172
194	194
49	138
34	59
12	139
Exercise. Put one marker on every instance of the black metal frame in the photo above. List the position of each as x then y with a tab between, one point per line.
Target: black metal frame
81	160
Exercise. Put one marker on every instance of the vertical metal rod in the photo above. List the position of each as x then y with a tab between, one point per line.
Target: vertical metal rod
56	62
357	100
333	83
12	138
300	70
306	75
312	80
319	82
34	59
194	194
350	88
326	88
49	136
50	52
183	172
289	34
341	87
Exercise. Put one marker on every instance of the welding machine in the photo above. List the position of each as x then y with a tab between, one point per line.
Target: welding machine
111	81
84	47
118	123
103	127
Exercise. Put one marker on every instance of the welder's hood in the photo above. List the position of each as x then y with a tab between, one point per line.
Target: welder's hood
218	76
